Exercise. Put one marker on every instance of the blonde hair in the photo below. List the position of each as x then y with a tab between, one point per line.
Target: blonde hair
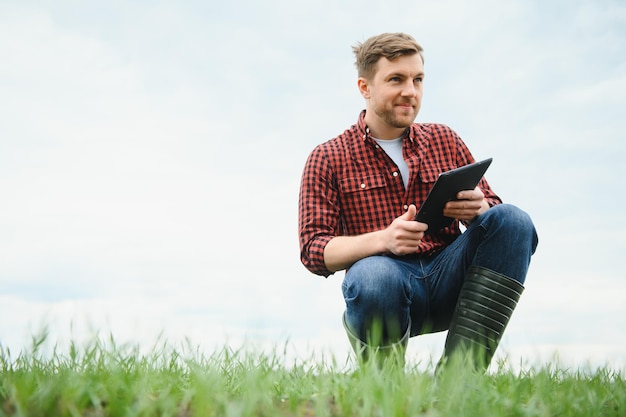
388	45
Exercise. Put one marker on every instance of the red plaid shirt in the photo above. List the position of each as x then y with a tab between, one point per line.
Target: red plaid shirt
350	186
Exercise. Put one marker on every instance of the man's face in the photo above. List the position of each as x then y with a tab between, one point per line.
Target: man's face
394	93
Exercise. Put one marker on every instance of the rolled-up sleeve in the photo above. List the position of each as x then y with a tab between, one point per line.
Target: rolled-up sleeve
318	211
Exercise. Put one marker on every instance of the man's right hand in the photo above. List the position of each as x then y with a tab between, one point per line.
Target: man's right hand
401	237
404	234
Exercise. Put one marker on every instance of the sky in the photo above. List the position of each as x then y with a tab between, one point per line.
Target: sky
151	153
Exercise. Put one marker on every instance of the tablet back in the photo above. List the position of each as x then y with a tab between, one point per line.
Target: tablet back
445	189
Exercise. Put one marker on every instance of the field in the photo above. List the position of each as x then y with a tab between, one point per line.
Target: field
103	379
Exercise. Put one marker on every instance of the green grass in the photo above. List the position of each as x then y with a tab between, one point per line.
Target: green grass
103	379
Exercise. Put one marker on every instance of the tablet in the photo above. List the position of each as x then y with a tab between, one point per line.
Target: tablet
445	189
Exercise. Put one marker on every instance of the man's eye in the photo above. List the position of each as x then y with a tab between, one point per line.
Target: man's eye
419	80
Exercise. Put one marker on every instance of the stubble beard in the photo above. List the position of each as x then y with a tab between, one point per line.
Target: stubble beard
390	118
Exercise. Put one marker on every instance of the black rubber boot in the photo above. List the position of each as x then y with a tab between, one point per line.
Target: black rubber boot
393	354
483	310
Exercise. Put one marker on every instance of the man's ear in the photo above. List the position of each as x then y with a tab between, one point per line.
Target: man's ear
364	87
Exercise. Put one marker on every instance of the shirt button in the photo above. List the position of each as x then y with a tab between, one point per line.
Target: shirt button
395	174
406	207
363	185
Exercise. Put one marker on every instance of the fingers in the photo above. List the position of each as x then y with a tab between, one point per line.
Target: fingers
404	235
465	209
464	205
475	194
410	213
414	226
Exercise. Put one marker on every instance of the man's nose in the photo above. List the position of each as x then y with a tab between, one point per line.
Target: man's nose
409	89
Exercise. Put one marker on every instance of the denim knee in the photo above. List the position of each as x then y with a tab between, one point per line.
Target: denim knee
372	280
515	223
508	242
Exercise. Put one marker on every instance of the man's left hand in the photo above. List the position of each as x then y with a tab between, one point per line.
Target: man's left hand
469	205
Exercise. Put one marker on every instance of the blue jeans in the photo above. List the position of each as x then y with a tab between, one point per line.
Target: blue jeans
389	290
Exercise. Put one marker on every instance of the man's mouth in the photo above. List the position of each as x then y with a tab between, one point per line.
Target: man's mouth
405	106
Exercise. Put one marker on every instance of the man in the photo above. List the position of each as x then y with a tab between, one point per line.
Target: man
358	199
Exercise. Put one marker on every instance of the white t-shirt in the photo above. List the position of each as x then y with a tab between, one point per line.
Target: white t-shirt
393	148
